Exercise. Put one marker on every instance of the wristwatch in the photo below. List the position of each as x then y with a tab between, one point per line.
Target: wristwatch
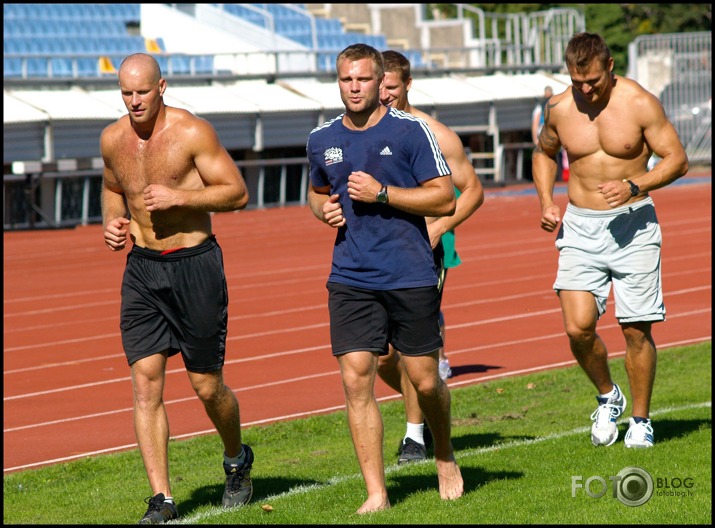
635	190
382	195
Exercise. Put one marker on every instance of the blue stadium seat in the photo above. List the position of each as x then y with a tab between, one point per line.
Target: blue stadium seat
328	26
61	67
37	67
245	13
204	64
11	68
10	45
163	61
88	66
179	65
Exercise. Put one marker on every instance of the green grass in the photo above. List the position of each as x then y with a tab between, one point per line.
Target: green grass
519	442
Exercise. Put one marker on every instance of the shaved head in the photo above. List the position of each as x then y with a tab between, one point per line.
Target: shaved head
141	62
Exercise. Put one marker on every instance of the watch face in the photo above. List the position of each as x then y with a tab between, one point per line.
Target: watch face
382	195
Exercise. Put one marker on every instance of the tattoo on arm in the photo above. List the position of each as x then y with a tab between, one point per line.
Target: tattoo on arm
547	112
548	140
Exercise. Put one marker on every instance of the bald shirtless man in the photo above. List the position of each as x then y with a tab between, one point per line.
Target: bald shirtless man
609	127
394	93
164	172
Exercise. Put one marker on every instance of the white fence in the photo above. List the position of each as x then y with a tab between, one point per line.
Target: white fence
677	67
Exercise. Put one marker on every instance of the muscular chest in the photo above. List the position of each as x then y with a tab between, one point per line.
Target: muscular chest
613	132
160	160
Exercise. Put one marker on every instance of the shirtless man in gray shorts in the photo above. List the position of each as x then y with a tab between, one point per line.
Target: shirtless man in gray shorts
609	127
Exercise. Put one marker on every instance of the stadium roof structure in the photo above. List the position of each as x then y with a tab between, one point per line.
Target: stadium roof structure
258	96
65	123
501	87
271	97
18	111
72	104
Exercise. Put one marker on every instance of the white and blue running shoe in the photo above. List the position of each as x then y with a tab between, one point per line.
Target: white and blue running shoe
604	431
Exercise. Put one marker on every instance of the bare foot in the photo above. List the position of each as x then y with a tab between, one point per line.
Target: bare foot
374	504
451	485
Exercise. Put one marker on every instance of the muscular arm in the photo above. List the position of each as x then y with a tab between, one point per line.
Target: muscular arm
113	203
664	141
464	178
223	189
544	170
114	208
433	197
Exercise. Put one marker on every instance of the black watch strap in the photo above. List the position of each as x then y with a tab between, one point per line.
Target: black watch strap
635	190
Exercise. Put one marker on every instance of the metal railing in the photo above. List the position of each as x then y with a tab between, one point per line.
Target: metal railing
677	68
37	198
46	199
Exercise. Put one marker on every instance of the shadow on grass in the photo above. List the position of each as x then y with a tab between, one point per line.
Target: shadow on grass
400	487
670	429
211	495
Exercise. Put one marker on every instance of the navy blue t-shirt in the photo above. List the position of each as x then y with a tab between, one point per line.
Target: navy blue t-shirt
379	247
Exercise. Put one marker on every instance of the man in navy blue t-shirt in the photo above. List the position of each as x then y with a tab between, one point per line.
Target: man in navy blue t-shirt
375	173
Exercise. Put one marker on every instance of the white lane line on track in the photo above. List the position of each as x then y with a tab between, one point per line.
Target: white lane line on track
326	323
452	384
327	346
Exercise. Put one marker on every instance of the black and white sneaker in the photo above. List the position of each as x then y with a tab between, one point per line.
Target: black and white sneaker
239	487
159	511
411	451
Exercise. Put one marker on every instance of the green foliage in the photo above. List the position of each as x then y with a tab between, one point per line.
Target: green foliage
619	24
519	442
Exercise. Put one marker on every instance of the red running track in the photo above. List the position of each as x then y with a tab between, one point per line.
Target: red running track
67	389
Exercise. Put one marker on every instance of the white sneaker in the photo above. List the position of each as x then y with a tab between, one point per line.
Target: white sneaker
604	431
639	434
444	371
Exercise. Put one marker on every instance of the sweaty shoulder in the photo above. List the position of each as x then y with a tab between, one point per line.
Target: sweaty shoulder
195	133
185	119
112	132
558	104
639	100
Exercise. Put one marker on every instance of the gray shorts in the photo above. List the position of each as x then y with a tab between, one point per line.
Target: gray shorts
619	246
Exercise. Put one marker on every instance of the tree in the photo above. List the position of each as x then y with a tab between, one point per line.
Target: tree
619	24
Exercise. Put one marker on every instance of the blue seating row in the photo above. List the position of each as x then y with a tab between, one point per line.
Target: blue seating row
51	67
124	12
72	45
69	39
91	66
25	27
296	25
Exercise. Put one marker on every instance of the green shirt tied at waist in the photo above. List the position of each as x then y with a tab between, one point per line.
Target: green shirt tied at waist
451	258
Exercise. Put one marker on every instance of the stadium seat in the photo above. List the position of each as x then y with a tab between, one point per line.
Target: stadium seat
61	67
12	68
87	67
37	67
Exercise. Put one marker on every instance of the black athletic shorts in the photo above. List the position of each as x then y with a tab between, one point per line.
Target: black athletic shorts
438	254
371	319
176	301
